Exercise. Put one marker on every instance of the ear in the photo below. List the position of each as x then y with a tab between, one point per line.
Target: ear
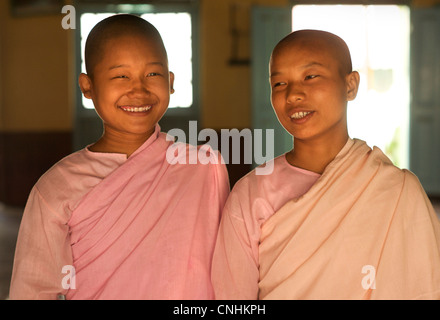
171	82
352	80
85	83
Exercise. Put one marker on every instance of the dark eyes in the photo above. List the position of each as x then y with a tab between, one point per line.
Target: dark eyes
151	74
308	77
278	84
311	76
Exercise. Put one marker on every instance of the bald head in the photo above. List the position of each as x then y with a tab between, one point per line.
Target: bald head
319	41
114	27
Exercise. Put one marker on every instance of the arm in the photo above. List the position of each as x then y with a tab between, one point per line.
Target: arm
235	270
43	249
409	266
423	240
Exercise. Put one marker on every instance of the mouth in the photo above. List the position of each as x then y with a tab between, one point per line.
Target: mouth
300	115
136	109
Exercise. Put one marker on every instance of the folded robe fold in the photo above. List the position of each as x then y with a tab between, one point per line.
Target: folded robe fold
364	230
143	229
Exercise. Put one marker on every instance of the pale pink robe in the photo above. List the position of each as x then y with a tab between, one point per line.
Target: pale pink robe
364	230
254	199
136	228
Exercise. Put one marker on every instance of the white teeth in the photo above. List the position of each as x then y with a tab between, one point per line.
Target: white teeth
136	109
299	115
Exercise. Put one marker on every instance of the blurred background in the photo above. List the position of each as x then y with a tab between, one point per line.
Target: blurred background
219	51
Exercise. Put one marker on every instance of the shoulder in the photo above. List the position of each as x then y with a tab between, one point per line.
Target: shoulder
53	190
196	156
393	176
256	189
266	174
83	163
415	207
381	167
70	178
252	198
58	173
197	161
412	182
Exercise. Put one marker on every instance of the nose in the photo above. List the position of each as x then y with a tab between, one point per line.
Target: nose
139	88
295	93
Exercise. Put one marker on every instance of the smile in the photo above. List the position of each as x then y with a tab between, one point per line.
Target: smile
300	114
135	109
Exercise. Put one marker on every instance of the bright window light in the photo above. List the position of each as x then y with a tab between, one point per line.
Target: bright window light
177	42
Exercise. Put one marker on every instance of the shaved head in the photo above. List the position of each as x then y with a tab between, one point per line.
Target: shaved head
320	41
114	27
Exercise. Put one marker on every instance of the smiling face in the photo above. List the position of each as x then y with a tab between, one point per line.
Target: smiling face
311	83
130	86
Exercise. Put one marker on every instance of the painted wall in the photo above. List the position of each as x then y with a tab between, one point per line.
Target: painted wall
226	88
35	92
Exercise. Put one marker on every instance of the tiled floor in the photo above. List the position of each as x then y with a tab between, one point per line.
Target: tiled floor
9	224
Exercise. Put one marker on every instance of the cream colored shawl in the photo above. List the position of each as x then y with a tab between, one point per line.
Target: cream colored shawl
365	230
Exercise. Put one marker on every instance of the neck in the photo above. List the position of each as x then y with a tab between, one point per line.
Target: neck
315	155
116	142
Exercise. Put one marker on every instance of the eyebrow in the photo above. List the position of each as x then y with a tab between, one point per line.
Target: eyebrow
303	67
126	65
312	64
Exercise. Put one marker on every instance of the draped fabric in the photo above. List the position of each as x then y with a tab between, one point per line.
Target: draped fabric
146	230
364	230
254	199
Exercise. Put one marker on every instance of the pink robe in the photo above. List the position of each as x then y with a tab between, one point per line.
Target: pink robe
364	230
136	228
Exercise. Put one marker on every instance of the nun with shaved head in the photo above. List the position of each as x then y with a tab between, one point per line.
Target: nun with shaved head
335	219
117	219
